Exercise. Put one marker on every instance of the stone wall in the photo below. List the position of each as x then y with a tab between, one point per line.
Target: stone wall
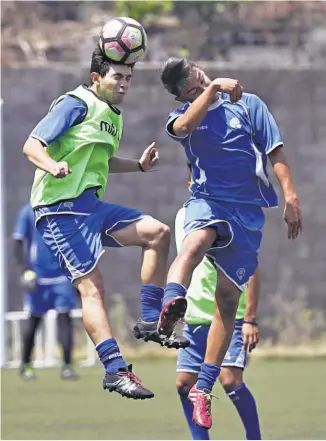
297	98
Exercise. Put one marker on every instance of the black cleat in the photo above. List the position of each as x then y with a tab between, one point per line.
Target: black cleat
67	373
127	384
176	341
148	332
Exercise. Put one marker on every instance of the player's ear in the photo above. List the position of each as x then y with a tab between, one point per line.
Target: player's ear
95	77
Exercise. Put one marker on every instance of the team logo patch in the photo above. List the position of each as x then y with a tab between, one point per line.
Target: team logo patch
235	123
240	273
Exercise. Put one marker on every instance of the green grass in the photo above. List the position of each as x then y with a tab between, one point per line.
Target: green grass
290	395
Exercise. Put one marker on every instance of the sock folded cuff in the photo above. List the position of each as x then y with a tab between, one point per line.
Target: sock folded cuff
235	390
177	287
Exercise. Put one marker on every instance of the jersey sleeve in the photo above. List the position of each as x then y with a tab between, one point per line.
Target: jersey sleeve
65	114
179	228
21	227
266	131
169	125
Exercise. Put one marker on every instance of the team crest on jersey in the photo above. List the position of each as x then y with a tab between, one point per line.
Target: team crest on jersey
235	123
240	273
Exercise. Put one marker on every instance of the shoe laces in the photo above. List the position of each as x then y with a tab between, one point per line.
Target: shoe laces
207	396
132	377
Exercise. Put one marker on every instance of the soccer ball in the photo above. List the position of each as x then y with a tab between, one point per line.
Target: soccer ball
123	40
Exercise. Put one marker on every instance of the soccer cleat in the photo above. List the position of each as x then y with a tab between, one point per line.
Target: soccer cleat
127	384
67	373
202	401
172	312
176	341
27	373
148	332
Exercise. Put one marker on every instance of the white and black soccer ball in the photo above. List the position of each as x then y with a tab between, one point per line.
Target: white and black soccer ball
123	40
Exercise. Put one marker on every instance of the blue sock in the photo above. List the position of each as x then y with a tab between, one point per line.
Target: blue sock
207	376
151	302
110	356
196	431
173	290
245	404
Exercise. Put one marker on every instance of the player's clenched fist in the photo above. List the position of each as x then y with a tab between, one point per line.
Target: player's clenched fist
229	86
60	170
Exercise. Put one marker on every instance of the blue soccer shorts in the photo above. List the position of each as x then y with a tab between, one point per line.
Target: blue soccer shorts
239	228
60	296
76	230
191	358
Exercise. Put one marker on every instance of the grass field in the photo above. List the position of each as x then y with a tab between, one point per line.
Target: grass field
291	396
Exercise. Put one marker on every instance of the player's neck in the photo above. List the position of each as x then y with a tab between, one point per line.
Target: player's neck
95	89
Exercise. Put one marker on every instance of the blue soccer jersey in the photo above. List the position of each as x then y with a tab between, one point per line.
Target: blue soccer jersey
40	259
228	151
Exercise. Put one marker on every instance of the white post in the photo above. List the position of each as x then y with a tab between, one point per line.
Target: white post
50	331
16	336
3	273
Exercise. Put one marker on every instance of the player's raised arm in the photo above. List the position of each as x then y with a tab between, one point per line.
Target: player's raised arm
187	123
189	83
193	116
292	211
250	333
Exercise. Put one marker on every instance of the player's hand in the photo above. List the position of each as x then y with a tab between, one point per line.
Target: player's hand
292	216
250	336
60	170
150	157
229	86
28	280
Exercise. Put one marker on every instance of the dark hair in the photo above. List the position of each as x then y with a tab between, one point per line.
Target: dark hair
174	72
188	164
101	63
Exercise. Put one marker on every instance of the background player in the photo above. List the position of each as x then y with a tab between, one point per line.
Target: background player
228	138
199	315
46	287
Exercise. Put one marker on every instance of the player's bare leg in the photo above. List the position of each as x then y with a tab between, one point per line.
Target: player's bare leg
218	341
119	377
193	250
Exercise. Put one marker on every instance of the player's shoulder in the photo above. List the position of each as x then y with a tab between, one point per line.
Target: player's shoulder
251	99
69	102
178	112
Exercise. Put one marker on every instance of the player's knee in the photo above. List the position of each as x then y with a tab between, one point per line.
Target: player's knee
227	305
230	378
183	387
161	234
